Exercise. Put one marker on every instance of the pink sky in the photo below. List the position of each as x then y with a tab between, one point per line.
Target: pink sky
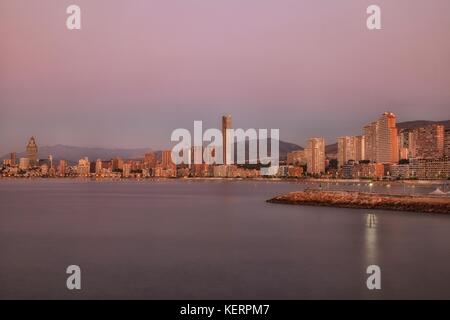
139	69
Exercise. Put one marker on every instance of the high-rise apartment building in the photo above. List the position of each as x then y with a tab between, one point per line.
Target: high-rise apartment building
447	143
360	148
315	155
83	167
13	158
126	170
62	168
24	163
403	153
226	124
32	151
404	143
370	140
166	159
117	164
98	166
381	139
149	160
403	138
428	142
350	148
50	161
346	149
386	139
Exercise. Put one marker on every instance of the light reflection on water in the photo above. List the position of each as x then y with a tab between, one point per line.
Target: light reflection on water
371	245
217	239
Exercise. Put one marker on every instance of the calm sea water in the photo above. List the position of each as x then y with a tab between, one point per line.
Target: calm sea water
211	240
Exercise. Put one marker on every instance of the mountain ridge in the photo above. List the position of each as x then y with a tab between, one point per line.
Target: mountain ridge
420	123
74	153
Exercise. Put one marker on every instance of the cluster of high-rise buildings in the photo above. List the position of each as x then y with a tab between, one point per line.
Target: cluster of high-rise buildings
381	151
151	165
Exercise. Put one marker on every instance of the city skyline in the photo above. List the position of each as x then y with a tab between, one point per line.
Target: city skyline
383	151
329	142
132	75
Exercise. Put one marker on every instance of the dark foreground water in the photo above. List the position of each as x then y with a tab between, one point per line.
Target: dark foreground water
211	240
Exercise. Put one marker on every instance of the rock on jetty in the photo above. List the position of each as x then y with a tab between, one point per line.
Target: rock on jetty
354	199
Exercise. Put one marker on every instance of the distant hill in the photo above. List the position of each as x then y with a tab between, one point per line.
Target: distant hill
421	123
331	148
286	147
73	153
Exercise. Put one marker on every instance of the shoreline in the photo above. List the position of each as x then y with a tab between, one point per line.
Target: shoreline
362	200
299	180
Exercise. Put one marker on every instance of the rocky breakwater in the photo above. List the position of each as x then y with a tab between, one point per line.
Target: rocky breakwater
353	199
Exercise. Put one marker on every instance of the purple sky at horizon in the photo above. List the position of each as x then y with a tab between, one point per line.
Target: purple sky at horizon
139	69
